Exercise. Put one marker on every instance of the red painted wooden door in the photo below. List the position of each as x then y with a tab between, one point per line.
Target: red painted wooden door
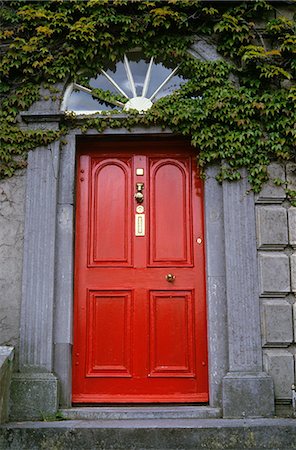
140	318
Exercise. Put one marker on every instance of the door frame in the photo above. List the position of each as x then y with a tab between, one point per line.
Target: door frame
215	267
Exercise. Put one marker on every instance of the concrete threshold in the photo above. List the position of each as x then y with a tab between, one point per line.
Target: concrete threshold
140	434
140	412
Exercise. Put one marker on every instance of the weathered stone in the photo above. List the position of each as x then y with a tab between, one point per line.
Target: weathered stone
216	285
67	172
291	175
272	231
140	412
243	311
205	51
247	391
166	434
38	265
292	226
293	272
33	396
63	312
270	193
6	361
12	193
280	365
285	10
274	274
294	321
48	104
277	329
247	395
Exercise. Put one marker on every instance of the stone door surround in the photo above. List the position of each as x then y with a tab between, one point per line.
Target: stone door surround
238	385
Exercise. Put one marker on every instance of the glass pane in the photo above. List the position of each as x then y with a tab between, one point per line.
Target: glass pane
139	66
139	70
158	74
175	82
120	77
101	82
82	101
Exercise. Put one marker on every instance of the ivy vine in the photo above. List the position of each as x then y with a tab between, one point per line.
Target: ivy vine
238	112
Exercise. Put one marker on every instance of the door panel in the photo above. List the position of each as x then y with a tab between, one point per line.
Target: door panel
113	358
171	334
110	224
170	211
139	336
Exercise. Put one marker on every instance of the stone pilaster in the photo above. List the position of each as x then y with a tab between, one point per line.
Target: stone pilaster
37	309
247	390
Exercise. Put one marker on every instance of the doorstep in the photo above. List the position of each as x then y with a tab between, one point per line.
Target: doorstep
139	412
151	434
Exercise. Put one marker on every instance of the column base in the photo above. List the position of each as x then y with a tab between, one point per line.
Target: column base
247	395
34	396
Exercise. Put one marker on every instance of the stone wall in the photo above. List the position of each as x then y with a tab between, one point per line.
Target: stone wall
276	239
12	195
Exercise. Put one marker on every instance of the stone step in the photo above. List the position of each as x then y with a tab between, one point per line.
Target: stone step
140	412
210	434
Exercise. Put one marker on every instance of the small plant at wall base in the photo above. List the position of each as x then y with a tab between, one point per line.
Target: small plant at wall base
238	112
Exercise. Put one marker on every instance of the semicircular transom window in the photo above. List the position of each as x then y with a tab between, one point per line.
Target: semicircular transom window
135	83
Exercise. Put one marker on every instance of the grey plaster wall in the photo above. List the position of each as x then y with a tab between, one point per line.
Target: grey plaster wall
12	193
276	243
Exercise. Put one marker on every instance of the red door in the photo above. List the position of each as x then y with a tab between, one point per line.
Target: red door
140	318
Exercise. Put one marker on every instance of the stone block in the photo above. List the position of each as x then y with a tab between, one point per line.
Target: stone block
292	226
285	10
294	321
247	395
277	328
274	274
63	370
214	224
271	193
293	272
291	175
205	51
272	227
67	171
48	103
279	364
33	396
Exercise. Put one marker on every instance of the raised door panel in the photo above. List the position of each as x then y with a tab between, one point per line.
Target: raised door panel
110	214
171	334
108	329
170	213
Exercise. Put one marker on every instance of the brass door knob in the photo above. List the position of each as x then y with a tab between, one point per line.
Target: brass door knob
170	277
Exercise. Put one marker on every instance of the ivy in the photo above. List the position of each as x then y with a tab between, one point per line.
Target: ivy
238	112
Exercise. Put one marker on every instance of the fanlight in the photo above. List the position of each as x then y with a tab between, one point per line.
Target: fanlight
136	81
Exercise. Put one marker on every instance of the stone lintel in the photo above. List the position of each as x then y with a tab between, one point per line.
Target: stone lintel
33	396
247	394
